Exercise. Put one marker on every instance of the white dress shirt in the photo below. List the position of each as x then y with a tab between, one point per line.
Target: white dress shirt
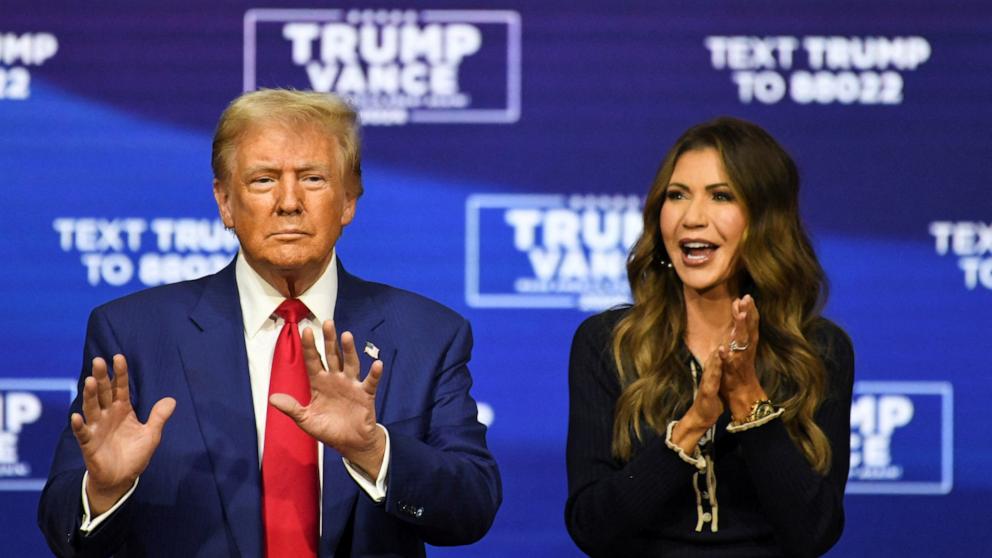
259	301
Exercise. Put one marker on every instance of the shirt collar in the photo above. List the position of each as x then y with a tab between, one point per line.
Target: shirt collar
259	299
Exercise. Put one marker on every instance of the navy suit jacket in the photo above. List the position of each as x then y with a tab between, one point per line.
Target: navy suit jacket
201	493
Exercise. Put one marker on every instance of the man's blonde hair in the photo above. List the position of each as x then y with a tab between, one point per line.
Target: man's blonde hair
296	109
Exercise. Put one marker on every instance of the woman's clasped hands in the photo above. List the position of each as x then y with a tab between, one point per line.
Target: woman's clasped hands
729	379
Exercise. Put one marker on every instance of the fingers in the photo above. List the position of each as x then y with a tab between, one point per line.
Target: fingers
288	405
122	386
712	372
340	358
746	318
351	363
91	405
331	349
107	390
753	318
713	360
739	315
311	357
725	356
744	333
371	381
161	413
731	361
103	391
716	367
79	428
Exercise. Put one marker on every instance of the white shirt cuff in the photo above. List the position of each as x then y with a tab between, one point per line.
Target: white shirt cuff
91	523
375	489
734	428
696	459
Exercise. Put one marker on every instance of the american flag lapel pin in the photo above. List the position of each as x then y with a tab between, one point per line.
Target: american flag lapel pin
371	350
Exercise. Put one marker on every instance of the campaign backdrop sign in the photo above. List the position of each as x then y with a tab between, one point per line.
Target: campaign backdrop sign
549	251
33	412
397	66
902	438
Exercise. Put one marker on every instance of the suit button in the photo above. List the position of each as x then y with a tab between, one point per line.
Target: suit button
418	513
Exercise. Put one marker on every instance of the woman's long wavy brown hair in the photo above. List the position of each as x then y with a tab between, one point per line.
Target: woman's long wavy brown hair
778	269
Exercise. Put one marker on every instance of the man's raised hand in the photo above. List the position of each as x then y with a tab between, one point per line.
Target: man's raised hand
341	413
116	446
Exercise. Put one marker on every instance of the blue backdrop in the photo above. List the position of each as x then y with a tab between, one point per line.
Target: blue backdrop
507	150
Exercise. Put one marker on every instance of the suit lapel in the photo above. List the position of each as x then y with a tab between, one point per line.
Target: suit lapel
216	366
356	310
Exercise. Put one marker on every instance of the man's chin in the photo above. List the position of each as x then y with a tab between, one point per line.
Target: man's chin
294	262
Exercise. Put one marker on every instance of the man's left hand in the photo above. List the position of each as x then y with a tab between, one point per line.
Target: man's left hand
341	413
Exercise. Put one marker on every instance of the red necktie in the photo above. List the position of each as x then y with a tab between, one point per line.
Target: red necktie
290	488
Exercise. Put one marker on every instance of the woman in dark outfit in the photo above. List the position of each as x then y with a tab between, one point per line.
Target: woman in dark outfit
712	417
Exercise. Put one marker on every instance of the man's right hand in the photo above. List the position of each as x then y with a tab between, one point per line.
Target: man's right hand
116	446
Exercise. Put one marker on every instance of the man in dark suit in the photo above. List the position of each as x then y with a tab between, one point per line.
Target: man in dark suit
264	436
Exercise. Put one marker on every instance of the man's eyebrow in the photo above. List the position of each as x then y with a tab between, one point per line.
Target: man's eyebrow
307	166
272	167
262	167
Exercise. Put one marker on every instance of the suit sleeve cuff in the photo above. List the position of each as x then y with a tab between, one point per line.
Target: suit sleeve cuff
376	489
89	524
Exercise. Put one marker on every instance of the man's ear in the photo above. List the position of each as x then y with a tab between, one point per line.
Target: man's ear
350	204
222	196
351	193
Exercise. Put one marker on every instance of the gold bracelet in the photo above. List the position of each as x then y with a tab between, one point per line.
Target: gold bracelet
760	409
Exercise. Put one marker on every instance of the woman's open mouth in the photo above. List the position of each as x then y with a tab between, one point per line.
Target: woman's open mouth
696	252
